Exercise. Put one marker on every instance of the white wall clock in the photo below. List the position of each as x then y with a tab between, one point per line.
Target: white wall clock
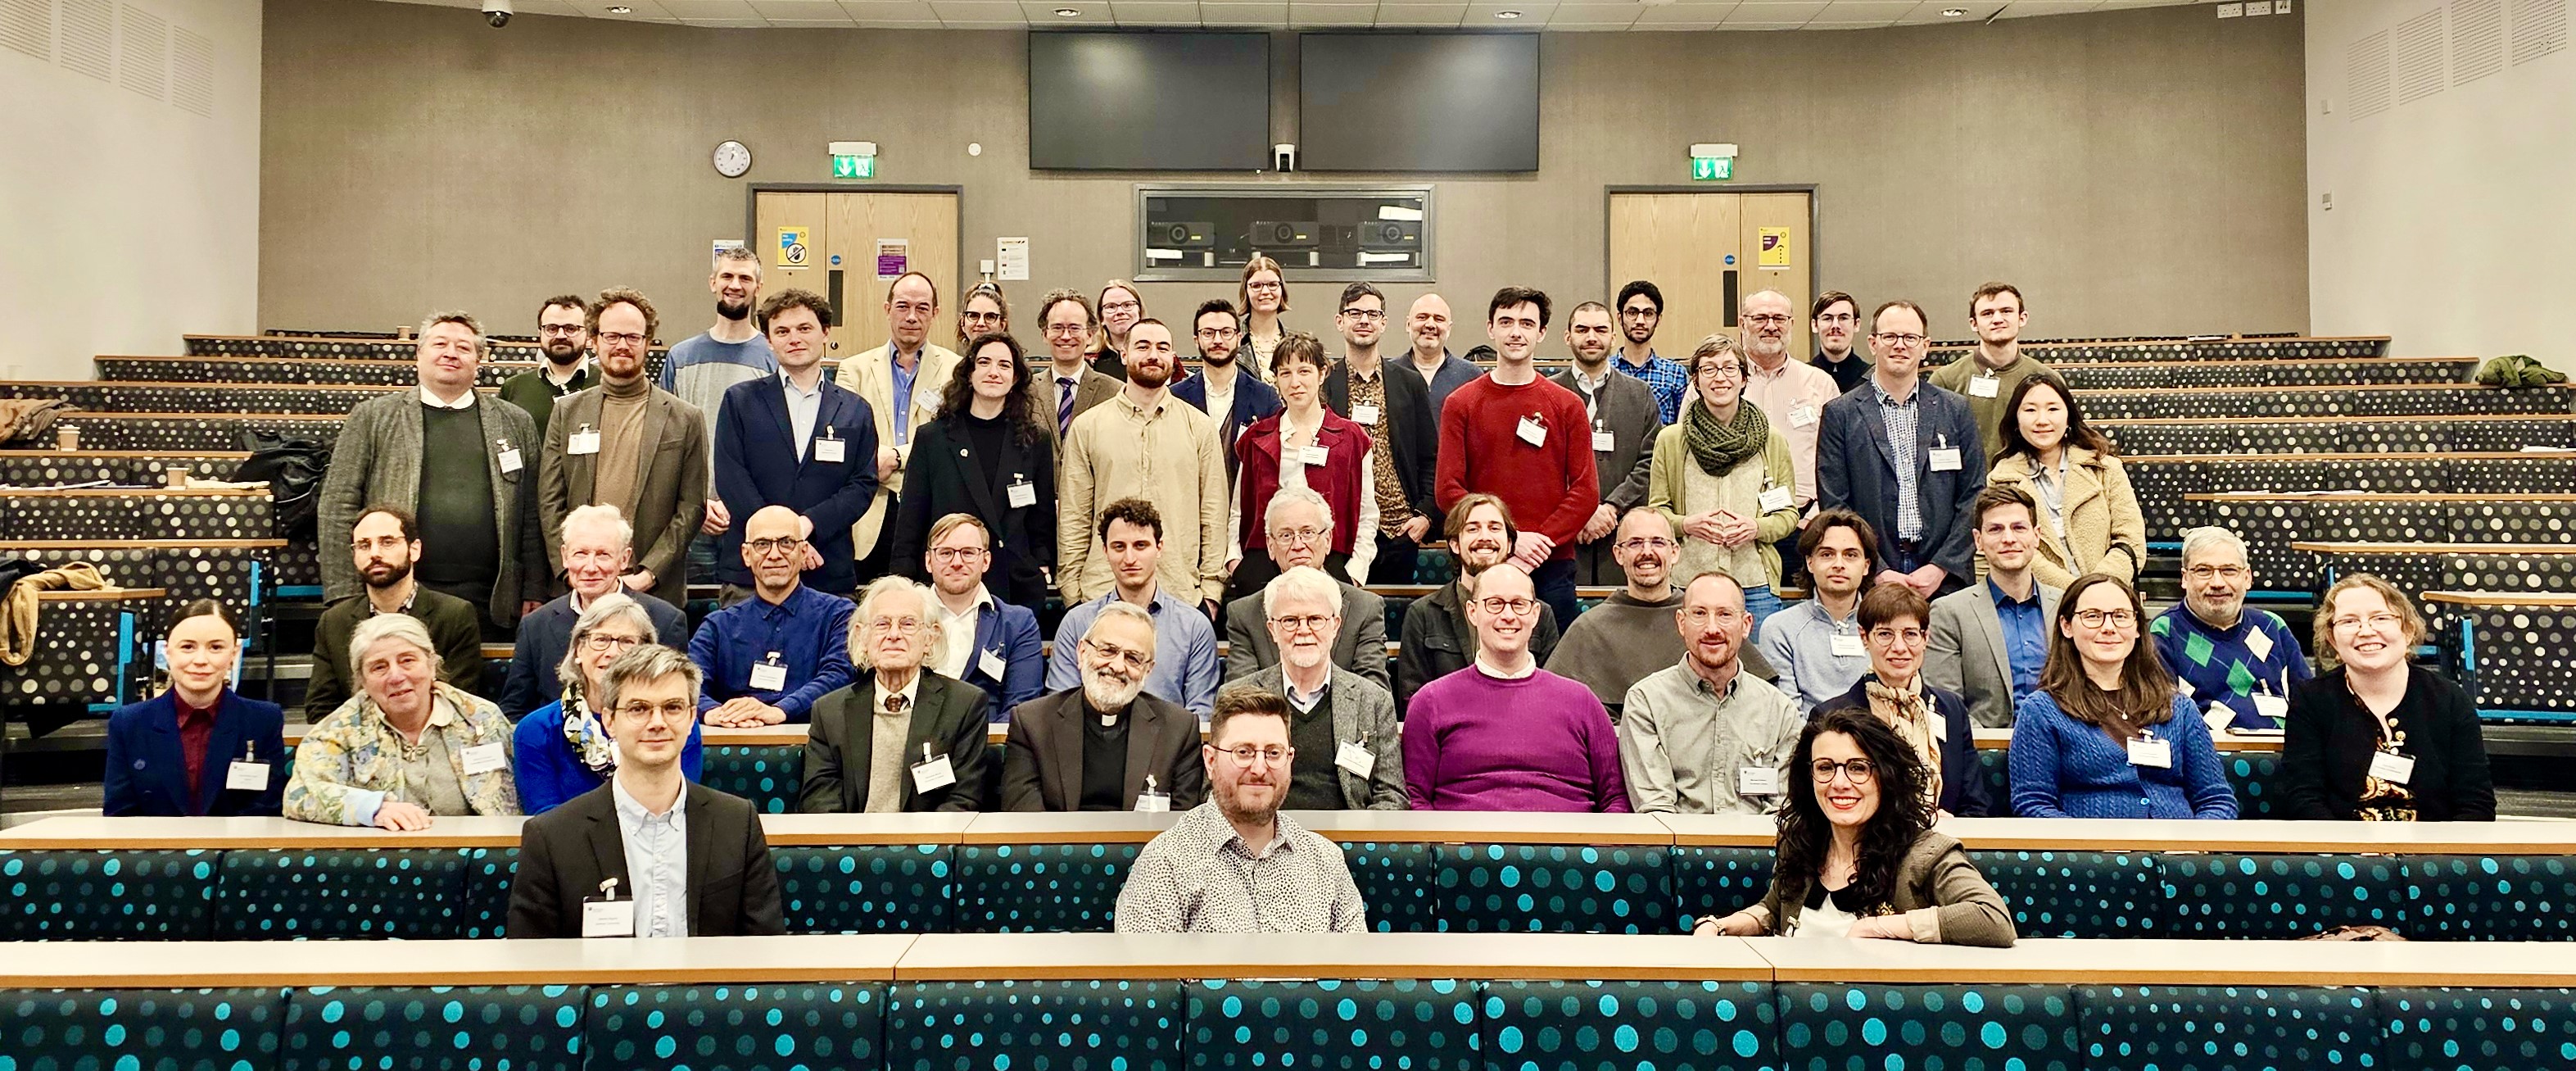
732	159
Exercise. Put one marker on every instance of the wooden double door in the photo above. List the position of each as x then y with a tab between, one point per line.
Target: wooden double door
1706	250
850	245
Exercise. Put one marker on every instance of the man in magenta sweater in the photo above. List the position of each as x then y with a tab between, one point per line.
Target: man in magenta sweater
1527	441
1503	734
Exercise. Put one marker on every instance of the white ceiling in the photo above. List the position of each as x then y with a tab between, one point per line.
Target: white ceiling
1319	14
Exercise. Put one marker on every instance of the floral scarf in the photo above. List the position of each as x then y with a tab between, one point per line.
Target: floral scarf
587	737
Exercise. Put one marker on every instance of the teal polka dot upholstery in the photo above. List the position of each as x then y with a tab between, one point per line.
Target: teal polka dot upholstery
1717	881
2479	1029
766	774
2495	898
1042	1026
1994	767
2228	1028
2255	775
1040	888
1398	1025
865	888
139	1029
1927	1028
1552	888
108	895
488	873
1395	882
416	893
2282	896
434	1028
801	1027
2075	894
1626	1026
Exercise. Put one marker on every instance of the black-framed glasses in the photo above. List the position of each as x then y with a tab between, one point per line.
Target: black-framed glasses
1861	771
780	545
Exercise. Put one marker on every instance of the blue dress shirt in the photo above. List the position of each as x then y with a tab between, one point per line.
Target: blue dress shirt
657	862
1185	664
2025	637
810	632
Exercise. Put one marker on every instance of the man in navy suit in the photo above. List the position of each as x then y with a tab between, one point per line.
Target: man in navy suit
992	644
1906	456
799	440
1245	399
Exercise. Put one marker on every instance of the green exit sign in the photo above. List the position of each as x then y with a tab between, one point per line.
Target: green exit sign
1712	168
854	167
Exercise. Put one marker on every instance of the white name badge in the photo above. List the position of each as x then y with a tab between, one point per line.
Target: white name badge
1604	441
1757	781
2218	716
1849	647
485	758
244	776
582	442
1940	725
1021	495
1802	415
1314	455
1532	432
1365	414
2272	706
831	451
1355	757
1775	499
510	460
1152	802
2156	753
933	775
608	918
991	664
769	677
2259	644
1944	458
2392	767
1984	386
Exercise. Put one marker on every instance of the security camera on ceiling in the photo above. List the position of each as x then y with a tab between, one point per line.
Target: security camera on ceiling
498	12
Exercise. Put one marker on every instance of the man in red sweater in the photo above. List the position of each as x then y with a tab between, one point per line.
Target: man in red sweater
1526	441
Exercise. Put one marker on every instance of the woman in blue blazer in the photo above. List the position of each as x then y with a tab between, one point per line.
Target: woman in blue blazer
198	748
562	749
1894	624
2105	736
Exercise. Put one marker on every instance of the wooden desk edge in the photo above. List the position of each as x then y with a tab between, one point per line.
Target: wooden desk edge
1531	972
110	595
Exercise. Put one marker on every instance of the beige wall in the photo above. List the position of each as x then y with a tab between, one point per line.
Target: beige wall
129	200
2451	231
2137	172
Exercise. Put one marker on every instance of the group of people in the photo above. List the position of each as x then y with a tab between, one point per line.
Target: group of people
887	535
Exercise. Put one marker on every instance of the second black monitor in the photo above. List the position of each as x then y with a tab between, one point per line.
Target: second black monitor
1378	101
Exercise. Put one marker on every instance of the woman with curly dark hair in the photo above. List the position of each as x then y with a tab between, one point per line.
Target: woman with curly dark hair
1857	856
989	455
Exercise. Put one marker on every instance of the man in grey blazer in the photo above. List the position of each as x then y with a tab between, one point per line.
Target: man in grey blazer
1342	726
464	467
1625	417
1359	647
1990	639
629	444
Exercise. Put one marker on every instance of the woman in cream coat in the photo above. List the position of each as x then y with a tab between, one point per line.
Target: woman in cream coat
2088	515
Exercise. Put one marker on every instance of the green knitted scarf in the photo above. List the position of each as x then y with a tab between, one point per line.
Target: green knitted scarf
1721	447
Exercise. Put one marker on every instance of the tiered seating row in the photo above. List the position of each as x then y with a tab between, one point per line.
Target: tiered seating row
2214	350
206	397
2162	375
2270	523
2163	482
56	468
2342	435
345	372
2383	400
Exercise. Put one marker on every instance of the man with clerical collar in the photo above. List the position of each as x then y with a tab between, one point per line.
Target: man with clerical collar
1106	745
1342	725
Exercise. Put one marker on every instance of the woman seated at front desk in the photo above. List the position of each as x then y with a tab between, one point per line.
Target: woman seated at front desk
406	747
1857	854
2105	736
198	749
2376	739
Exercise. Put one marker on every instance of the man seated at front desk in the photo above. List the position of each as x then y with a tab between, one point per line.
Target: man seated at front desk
2235	663
1707	735
1349	755
1107	745
598	549
1235	864
1438	637
1300	524
767	658
903	738
1503	734
408	747
650	853
992	644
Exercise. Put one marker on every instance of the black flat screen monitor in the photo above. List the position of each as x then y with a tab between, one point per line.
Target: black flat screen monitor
1149	101
1417	101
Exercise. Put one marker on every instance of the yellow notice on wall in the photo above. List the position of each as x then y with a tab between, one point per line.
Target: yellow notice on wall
792	247
1775	248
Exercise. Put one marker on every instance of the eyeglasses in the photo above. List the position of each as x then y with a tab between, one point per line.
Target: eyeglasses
1704	615
1861	771
1366	316
675	711
2379	622
1136	660
1245	754
780	545
1640	313
904	625
387	542
1515	606
1767	319
1218	332
1722	370
604	642
980	317
2208	572
1645	543
1899	635
619	338
956	554
551	330
1263	287
1900	339
1304	622
1107	307
1067	329
1296	537
2101	618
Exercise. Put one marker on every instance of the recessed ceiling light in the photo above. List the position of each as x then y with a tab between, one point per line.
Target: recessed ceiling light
621	9
1068	12
1954	12
1507	14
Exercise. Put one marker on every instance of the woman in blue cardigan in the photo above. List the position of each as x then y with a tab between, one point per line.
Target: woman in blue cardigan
562	749
2105	736
183	752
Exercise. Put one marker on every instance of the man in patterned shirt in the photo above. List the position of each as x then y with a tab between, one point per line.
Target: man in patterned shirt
1390	398
1235	864
1641	310
2236	663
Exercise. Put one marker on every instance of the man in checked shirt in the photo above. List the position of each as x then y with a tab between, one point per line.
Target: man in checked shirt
1235	864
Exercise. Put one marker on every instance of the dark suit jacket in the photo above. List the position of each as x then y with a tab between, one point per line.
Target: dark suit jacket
1415	429
756	466
1253	400
1856	470
1009	633
452	624
944	477
1629	411
2325	755
1360	647
670	489
947	715
1042	758
545	637
1437	641
146	774
1963	789
565	853
1094	389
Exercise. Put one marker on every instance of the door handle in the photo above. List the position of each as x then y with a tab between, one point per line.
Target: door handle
833	286
1731	299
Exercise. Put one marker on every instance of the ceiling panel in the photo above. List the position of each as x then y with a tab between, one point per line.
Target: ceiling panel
1669	14
1864	12
1577	15
1439	14
2022	9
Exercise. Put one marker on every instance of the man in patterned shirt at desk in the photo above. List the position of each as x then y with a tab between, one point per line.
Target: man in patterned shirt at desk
1235	864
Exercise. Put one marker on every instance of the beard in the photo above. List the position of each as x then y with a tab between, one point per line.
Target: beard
1151	375
732	311
1231	805
562	352
1106	694
385	576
